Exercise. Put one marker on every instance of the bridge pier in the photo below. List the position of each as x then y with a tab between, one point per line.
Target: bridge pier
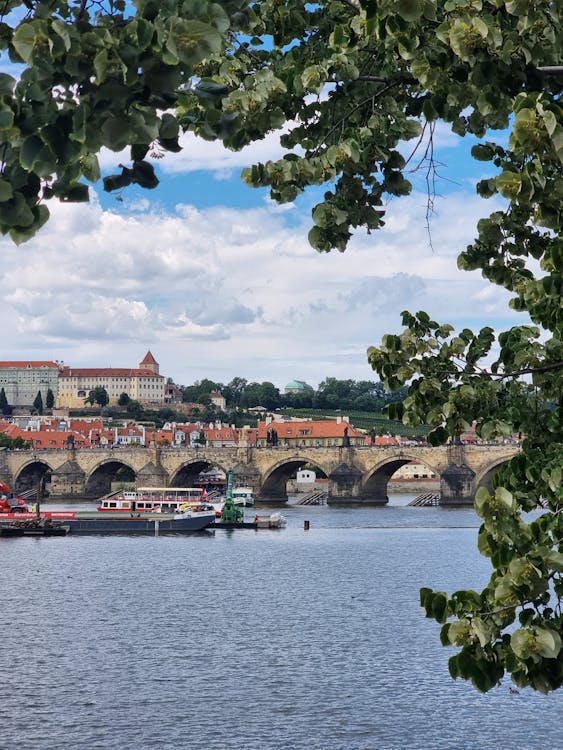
152	475
457	480
68	481
345	487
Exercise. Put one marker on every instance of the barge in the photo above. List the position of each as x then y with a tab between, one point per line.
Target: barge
53	523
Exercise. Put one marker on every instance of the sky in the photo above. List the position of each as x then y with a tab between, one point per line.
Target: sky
218	282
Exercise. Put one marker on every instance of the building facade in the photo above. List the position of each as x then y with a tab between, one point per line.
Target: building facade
308	432
23	380
143	384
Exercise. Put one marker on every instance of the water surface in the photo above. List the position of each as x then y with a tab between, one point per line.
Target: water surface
268	640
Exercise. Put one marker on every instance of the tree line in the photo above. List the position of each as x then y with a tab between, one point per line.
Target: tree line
332	394
239	393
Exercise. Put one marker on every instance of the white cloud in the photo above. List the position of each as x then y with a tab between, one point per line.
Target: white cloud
223	292
199	154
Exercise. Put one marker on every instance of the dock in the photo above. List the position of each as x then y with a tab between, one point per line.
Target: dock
315	497
33	527
234	525
426	499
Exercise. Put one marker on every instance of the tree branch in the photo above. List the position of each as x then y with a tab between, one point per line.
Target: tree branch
351	111
352	4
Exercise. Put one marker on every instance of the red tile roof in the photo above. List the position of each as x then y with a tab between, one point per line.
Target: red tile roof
149	359
29	363
310	429
109	372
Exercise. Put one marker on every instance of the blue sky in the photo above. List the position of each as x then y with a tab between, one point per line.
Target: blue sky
219	282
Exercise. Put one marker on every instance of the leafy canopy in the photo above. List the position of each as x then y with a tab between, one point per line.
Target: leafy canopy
349	81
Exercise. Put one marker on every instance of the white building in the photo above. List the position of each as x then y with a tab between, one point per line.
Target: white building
23	380
143	384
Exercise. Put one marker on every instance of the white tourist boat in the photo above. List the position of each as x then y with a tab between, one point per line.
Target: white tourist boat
157	500
243	496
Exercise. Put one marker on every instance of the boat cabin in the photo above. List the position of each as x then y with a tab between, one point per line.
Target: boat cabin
157	499
243	496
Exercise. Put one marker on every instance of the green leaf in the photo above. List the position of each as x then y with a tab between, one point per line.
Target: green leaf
6	119
26	36
438	436
76	193
439	607
117	181
482	152
6	191
509	184
143	174
410	10
7	84
139	151
191	41
210	90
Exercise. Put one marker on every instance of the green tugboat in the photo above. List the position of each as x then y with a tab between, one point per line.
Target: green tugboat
231	513
232	516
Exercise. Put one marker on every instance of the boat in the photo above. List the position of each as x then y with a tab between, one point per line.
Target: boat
157	500
272	521
232	516
243	496
33	527
181	514
100	522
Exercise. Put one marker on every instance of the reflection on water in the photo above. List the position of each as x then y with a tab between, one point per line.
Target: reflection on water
268	640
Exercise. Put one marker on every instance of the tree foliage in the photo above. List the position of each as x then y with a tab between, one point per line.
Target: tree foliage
13	443
359	395
38	403
4	406
97	395
350	81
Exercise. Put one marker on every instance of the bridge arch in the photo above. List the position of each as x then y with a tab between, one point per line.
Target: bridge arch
33	474
374	483
274	482
99	480
186	473
485	477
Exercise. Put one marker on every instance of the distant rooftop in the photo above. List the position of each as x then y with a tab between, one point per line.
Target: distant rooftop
298	385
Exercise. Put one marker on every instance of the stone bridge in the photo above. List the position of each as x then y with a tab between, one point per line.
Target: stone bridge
356	475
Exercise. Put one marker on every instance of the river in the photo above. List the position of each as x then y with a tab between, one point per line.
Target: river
270	640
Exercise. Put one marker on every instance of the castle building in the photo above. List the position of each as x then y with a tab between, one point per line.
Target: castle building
143	384
23	380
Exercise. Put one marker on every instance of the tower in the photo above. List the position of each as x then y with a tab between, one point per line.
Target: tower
149	363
